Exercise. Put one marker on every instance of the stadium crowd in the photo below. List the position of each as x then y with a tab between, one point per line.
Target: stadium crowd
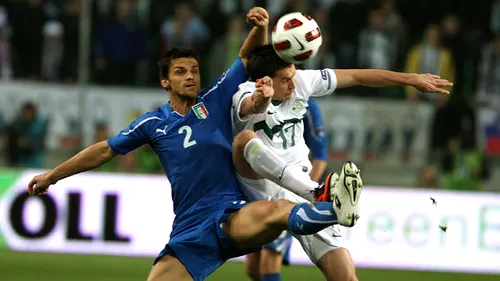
457	39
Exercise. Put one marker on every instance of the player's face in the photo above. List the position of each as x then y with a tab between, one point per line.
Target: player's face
284	83
183	78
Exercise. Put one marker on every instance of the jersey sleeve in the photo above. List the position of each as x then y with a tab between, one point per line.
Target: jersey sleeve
314	133
227	84
244	91
136	135
318	82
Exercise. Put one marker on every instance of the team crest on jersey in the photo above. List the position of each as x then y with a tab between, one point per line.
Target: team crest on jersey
297	108
200	110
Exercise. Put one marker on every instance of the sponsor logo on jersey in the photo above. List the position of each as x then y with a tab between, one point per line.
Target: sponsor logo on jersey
200	111
164	130
324	75
297	108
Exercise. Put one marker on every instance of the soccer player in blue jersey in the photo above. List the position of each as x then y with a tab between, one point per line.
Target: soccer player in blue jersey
265	265
314	135
192	136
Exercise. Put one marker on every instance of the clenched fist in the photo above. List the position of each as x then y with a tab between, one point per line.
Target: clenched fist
258	17
264	87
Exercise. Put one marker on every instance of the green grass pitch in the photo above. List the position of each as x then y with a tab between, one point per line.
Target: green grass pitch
17	266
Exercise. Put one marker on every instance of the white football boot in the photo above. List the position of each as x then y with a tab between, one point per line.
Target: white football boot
345	194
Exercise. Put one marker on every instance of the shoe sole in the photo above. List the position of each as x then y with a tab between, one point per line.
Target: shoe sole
350	170
356	183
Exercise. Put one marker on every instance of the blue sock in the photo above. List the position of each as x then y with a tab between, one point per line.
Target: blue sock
271	277
309	218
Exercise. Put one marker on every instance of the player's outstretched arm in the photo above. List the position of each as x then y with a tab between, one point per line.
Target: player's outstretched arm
259	18
87	159
259	100
425	83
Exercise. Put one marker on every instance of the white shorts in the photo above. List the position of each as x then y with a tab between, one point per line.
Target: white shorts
315	245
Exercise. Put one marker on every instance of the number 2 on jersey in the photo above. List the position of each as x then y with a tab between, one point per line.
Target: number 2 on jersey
187	139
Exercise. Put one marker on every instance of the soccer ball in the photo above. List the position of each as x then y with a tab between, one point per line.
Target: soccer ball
296	37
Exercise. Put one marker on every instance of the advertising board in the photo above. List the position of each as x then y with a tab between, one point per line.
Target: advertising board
97	213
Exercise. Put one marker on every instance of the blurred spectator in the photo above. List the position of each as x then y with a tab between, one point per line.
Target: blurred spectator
103	9
463	168
278	8
226	48
429	57
488	91
495	17
377	48
185	29
453	134
216	17
428	177
121	47
70	20
147	161
26	138
395	26
127	163
5	60
27	37
452	40
346	18
52	51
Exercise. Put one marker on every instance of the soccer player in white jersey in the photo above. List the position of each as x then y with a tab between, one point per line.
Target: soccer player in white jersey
269	151
266	264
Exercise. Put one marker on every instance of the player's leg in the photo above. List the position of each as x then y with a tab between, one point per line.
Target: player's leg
254	160
252	263
260	222
169	268
270	265
337	265
324	249
273	256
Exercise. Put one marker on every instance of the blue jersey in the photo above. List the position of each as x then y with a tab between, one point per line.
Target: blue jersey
195	150
314	133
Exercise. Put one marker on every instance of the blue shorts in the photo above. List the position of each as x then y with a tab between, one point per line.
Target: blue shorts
203	247
282	245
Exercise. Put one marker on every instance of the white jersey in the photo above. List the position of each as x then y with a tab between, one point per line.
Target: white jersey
280	127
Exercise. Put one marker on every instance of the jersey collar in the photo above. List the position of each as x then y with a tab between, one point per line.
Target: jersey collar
276	102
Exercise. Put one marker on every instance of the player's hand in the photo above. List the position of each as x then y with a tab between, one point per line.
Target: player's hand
431	83
40	184
258	17
264	87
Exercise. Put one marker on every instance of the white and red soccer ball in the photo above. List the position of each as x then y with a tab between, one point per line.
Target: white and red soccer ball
296	37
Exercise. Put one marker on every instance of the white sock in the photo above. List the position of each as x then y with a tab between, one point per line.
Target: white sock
268	164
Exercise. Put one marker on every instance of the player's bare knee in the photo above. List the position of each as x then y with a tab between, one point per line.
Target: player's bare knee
241	140
337	265
278	213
